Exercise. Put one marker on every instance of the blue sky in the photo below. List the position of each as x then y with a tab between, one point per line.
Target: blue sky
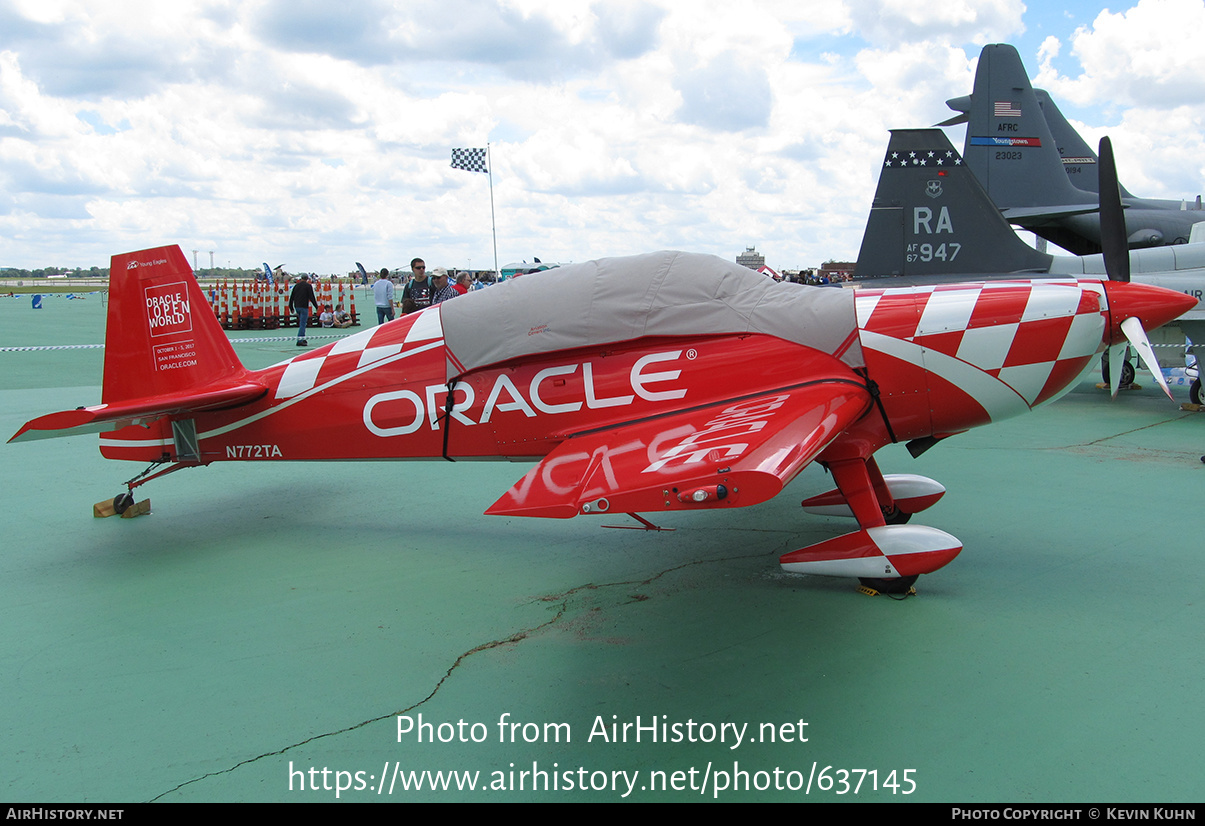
317	134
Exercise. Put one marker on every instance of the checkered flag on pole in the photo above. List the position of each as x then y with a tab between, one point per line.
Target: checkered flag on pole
470	160
478	160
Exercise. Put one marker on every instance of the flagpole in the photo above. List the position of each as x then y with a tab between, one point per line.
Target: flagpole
489	167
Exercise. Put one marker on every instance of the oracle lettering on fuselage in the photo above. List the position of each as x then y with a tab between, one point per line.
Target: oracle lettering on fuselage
505	396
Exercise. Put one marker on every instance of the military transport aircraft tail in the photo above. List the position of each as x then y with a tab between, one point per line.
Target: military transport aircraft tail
931	217
165	352
1010	147
1078	159
1040	172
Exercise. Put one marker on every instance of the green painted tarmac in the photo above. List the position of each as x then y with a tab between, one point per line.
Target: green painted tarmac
269	619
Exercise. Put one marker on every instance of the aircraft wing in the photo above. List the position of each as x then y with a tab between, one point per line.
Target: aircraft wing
105	417
728	454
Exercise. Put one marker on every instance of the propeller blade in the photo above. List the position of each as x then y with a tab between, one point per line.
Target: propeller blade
1113	240
1117	354
1132	328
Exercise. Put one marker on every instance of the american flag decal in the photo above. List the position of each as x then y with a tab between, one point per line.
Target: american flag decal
1006	109
470	160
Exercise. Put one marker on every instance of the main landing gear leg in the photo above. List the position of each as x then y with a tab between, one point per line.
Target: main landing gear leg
862	484
892	514
885	555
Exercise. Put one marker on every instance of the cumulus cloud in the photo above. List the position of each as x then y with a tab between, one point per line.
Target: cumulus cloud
354	31
320	135
726	94
909	83
521	40
894	22
627	30
1139	67
1146	56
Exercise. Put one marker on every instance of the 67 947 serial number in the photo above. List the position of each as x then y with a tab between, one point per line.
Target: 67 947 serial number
931	252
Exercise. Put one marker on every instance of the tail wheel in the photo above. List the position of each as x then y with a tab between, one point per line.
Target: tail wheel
1194	392
122	502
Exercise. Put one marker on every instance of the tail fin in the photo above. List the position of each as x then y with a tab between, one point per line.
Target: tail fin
1009	145
161	336
1078	158
931	217
165	353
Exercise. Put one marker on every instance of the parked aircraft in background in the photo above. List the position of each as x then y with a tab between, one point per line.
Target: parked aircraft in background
1038	170
932	221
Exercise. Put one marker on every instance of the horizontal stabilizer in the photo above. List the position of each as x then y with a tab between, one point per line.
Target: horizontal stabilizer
961	105
1037	216
101	418
722	455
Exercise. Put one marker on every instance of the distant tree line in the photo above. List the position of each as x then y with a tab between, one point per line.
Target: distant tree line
78	272
233	273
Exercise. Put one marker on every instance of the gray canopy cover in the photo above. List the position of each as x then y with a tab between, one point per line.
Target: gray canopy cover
622	299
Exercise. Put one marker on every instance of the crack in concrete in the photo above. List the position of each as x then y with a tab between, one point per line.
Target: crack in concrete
516	637
590	586
1134	430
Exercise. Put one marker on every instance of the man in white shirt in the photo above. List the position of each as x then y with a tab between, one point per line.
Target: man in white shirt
382	292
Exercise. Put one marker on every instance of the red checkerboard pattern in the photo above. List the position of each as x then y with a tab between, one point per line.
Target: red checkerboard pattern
368	347
1033	336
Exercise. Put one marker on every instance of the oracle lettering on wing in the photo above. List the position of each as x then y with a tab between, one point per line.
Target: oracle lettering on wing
724	437
167	309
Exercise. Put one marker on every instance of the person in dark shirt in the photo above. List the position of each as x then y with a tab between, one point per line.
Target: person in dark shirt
299	302
417	293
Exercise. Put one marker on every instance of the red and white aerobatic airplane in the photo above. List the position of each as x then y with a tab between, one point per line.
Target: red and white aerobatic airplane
660	382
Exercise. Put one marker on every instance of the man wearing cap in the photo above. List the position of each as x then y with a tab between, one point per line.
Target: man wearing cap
440	288
382	293
300	300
